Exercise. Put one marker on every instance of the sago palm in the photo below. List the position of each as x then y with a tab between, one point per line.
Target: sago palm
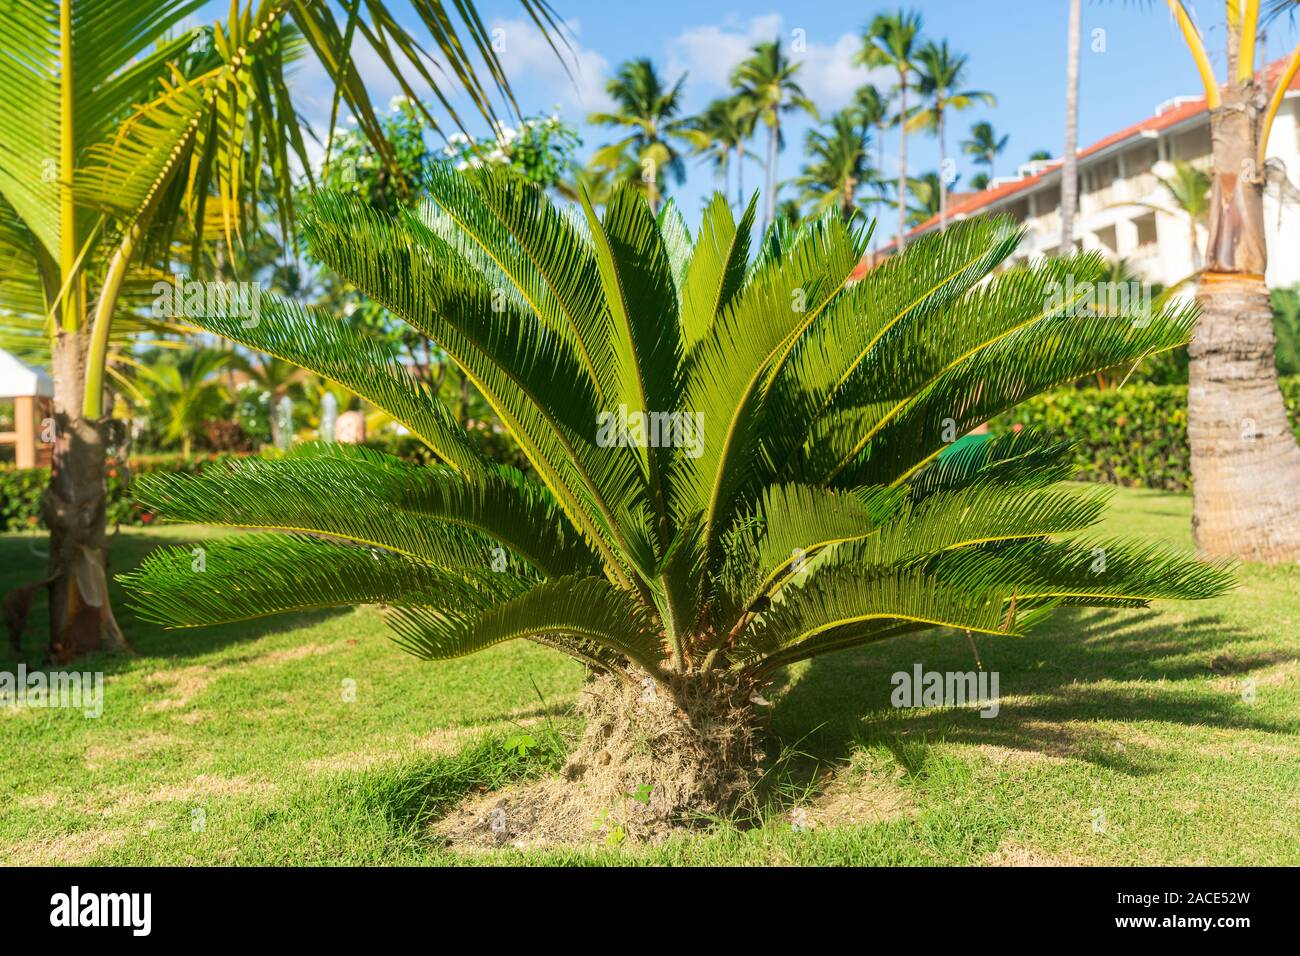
736	461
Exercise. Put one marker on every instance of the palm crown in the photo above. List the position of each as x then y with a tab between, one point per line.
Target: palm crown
737	461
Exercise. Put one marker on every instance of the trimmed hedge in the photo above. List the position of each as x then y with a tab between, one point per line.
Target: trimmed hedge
1135	436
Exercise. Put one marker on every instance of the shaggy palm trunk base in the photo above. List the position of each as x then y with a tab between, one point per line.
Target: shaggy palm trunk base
650	763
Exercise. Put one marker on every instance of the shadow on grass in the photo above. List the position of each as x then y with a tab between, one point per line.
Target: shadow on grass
1086	666
21	563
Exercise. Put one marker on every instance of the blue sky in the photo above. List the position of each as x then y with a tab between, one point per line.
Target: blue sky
1133	59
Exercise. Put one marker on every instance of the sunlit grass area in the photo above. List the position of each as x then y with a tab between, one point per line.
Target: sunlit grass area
1162	736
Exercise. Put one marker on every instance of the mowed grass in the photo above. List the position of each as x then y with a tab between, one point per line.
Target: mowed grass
1122	738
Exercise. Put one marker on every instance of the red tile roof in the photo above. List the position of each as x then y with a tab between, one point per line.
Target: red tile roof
965	204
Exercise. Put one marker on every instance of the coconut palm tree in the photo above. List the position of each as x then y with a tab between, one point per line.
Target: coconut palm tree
1188	189
649	109
942	73
720	484
137	133
838	166
985	146
893	40
766	85
721	130
924	193
1070	165
873	108
1244	457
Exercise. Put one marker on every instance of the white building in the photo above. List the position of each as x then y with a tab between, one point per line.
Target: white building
1119	184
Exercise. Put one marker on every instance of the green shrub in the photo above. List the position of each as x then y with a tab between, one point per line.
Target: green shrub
1135	436
21	489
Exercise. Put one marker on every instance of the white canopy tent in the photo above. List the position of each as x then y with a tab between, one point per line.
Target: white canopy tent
27	387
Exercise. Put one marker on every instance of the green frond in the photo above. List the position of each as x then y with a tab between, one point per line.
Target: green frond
248	576
431	513
677	244
1028	361
728	374
515	227
791	525
847	595
531	379
311	338
1027	459
589	609
717	267
1088	573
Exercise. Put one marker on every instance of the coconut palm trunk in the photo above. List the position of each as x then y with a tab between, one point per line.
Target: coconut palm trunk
943	169
1070	165
74	510
1245	461
773	142
740	175
902	161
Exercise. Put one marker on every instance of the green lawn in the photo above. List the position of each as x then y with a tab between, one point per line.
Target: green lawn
1123	738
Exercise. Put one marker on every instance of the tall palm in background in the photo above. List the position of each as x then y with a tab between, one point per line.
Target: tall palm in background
985	146
872	107
650	111
838	166
718	134
893	40
941	74
136	138
1070	157
766	84
924	193
800	503
1189	190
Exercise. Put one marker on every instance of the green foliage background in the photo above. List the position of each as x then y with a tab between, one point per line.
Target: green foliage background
1135	436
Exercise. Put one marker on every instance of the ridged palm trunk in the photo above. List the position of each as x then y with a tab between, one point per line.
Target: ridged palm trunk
75	511
902	161
1070	162
1245	461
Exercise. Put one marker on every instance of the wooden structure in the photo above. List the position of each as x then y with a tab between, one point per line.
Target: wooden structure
31	391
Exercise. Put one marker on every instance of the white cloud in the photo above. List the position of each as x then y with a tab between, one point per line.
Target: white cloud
828	75
710	53
537	75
